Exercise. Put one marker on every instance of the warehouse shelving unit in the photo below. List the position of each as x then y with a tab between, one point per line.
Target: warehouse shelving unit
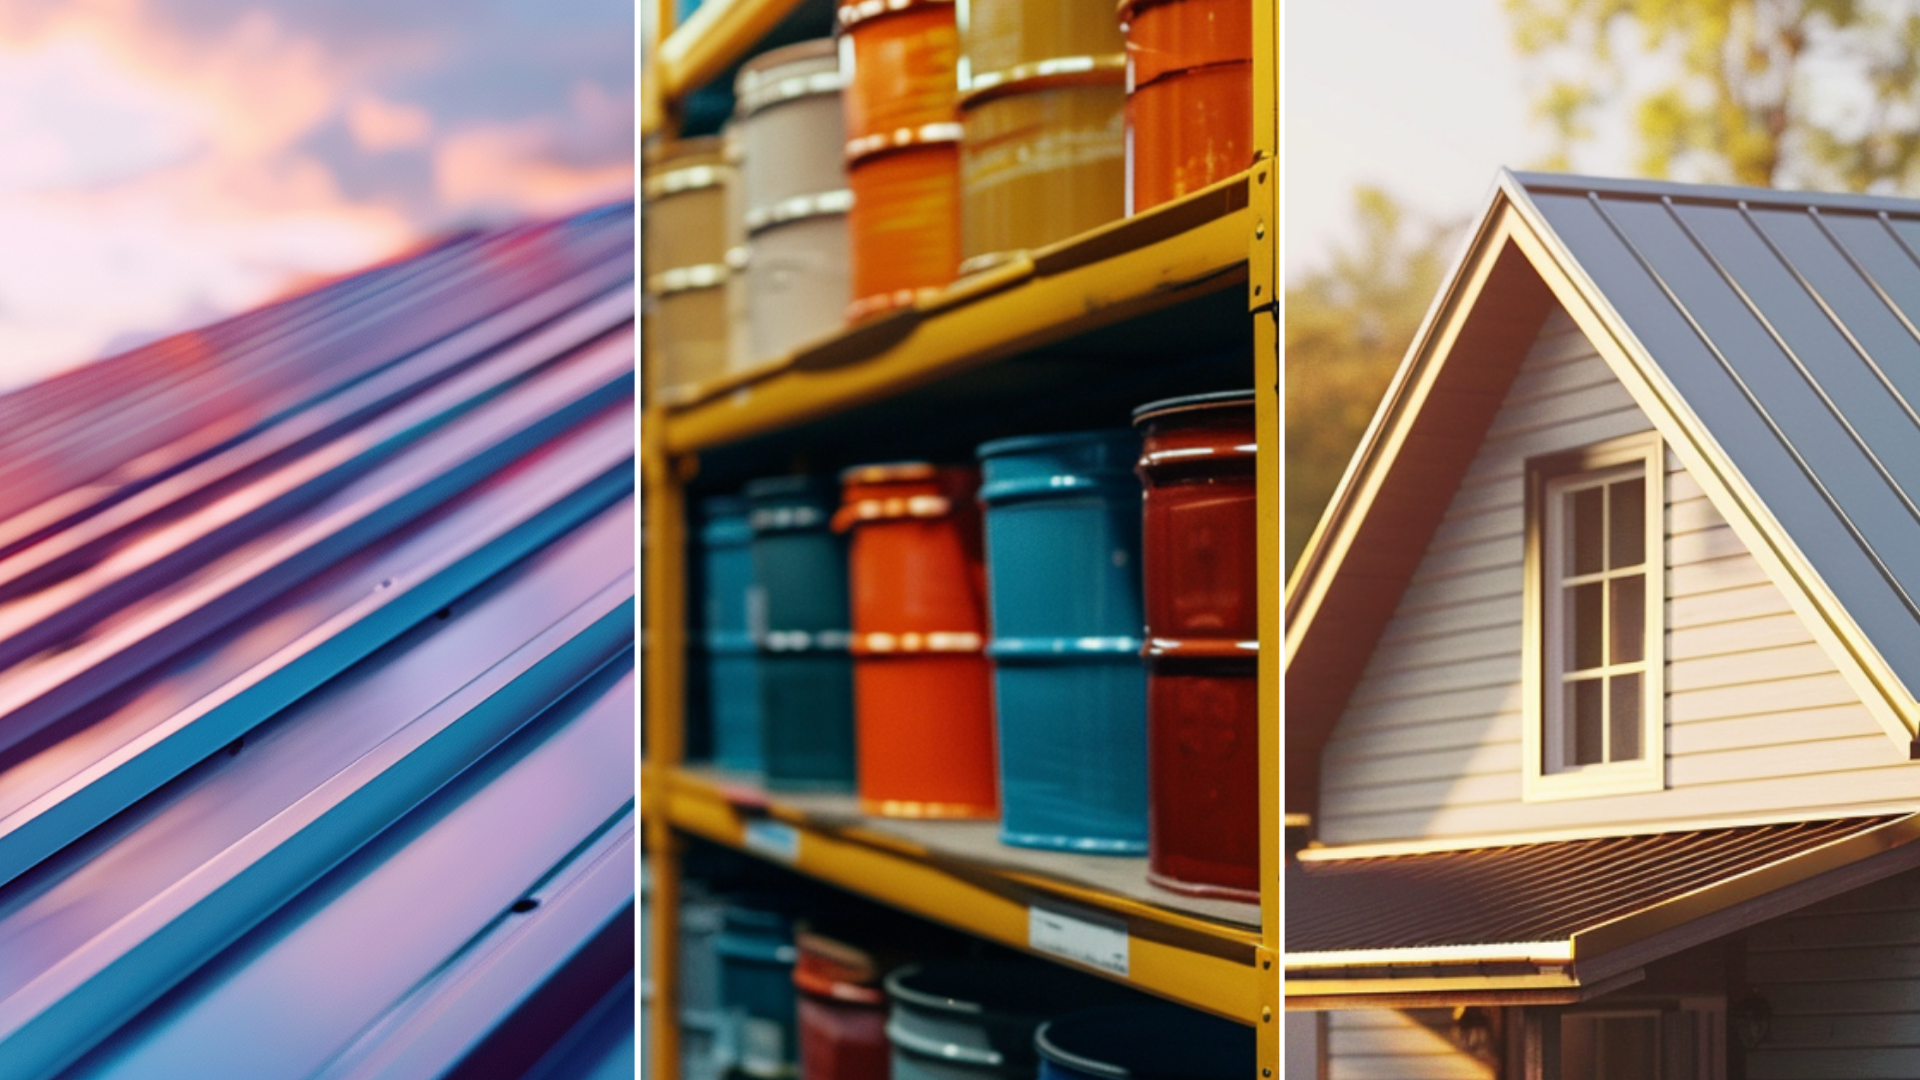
1190	276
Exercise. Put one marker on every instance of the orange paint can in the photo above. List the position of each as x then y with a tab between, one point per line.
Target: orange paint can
903	158
1189	95
923	697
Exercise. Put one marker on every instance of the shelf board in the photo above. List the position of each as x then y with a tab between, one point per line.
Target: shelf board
716	35
1201	953
1180	251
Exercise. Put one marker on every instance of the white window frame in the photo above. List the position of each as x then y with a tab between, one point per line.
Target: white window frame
1548	479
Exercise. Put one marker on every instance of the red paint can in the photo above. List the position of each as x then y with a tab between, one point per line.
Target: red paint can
1199	542
1189	95
923	697
842	1010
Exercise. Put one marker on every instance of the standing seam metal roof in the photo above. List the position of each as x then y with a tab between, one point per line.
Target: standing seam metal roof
1789	323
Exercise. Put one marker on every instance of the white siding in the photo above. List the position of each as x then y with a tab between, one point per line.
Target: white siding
1379	1044
1843	978
1759	721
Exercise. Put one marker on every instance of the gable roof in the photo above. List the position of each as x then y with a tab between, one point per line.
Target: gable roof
1773	338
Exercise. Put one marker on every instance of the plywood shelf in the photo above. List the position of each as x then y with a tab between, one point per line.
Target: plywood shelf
1203	953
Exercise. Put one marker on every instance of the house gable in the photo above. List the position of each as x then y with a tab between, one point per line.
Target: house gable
1759	719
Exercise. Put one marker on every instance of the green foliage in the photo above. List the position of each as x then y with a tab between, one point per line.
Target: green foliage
1347	326
1813	93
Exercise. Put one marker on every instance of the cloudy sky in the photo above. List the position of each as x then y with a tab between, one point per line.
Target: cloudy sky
167	162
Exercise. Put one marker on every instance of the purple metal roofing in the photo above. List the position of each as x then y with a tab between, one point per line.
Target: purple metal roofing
1539	893
316	692
1789	324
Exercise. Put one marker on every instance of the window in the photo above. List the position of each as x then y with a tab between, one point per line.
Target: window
1684	1040
1595	627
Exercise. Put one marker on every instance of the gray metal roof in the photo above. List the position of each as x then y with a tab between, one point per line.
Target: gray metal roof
1788	323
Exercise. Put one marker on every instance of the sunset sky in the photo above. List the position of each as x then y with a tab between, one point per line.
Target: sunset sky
167	162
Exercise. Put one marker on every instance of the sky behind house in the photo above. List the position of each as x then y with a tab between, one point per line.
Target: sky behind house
164	163
1424	99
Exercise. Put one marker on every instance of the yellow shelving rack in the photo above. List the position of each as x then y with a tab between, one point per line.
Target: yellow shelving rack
1206	247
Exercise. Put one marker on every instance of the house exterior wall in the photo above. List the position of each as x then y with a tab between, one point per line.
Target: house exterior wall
1759	720
1383	1044
1843	980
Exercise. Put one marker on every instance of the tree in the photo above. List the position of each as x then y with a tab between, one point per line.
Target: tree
1347	326
1807	93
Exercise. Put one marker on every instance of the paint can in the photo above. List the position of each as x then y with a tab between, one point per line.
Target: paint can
806	675
757	956
1042	107
1203	630
791	138
731	654
971	1019
1189	95
923	694
903	149
1063	574
685	248
843	1010
1148	1041
706	1049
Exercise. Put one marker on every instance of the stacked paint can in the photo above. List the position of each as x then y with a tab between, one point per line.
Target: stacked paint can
1203	630
790	132
973	1019
706	1043
731	653
1063	569
686	244
922	692
806	679
843	1010
1146	1041
903	149
1042	104
757	956
1189	95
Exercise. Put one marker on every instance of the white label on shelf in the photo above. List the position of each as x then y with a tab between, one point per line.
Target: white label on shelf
1083	936
774	840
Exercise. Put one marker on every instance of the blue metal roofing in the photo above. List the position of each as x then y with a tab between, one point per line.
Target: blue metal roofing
1788	324
316	693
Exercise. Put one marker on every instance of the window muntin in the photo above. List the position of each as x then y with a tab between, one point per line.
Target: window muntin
1595	620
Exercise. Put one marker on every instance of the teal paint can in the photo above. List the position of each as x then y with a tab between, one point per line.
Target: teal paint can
732	657
801	627
1070	687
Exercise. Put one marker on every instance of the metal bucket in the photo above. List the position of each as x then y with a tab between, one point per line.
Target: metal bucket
1042	105
732	656
843	1010
791	139
1189	95
923	694
969	1019
687	237
1203	631
706	1051
1149	1041
1063	573
806	676
903	155
756	987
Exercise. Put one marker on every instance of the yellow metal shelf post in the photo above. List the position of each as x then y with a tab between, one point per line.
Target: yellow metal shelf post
1263	285
665	554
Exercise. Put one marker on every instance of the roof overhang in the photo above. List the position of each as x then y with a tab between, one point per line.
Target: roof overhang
1560	921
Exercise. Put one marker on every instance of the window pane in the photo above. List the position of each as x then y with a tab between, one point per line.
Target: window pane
1627	522
1624	722
1629	619
1585	530
1610	1047
1584	622
1584	722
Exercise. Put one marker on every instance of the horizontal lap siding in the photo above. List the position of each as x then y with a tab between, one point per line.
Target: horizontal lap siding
1380	1044
1759	719
1843	978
